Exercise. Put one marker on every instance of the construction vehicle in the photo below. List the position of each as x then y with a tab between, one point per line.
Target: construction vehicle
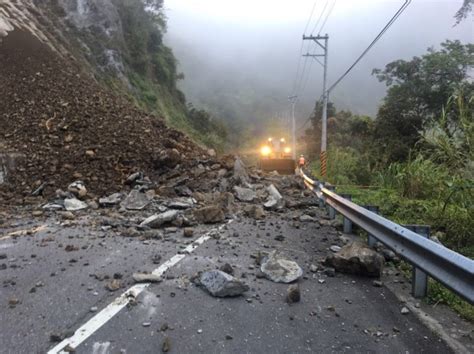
276	155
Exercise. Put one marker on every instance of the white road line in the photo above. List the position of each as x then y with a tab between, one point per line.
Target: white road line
91	326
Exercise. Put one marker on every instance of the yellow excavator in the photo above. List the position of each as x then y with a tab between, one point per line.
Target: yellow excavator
276	155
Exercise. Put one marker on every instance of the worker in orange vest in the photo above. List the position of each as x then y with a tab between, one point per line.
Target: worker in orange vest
301	161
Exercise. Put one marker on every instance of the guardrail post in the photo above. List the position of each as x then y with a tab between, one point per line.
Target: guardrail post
331	210
419	279
347	222
371	240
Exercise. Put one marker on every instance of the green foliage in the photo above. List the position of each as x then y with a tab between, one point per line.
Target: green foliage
418	90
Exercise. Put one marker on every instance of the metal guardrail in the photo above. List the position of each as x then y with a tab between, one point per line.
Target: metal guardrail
452	269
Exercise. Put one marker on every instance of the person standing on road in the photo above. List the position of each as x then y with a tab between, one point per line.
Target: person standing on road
301	161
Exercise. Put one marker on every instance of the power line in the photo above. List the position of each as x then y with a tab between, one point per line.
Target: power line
320	16
301	50
387	26
327	16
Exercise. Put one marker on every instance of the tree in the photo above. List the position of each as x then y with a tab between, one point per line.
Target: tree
418	91
464	11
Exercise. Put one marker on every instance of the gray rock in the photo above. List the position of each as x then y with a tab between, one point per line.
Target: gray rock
335	248
221	284
313	268
209	215
59	205
404	310
158	220
134	177
254	211
146	278
135	200
273	192
357	258
240	172
244	194
188	232
389	255
111	200
280	270
73	204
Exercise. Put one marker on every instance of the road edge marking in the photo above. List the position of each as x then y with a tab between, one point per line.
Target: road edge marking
106	314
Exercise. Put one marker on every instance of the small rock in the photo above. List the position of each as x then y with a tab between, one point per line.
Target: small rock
335	248
221	284
158	220
73	204
146	278
93	309
244	194
146	324
356	258
330	272
111	200
377	283
37	213
78	188
13	301
166	346
227	268
280	270
313	268
306	218
404	310
113	285
293	294
135	200
209	215
188	232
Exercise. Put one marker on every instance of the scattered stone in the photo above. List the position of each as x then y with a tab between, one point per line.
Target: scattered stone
335	248
227	268
330	272
404	310
280	270
67	215
377	283
166	346
146	278
134	177
356	258
254	211
93	309
209	215
73	204
244	194
168	158
111	200
78	188
13	301
306	218
313	268
188	232
113	285
37	213
157	220
221	284
181	203
293	294
135	200
280	238
228	337
146	324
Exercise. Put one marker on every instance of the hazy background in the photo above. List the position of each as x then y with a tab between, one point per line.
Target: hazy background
240	58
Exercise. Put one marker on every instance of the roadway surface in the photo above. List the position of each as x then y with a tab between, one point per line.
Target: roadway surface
59	291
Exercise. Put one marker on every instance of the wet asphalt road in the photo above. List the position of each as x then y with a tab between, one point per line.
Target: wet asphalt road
56	290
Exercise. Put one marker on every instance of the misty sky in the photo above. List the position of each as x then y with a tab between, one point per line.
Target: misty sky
254	45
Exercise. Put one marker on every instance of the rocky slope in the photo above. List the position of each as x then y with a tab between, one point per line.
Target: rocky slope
65	124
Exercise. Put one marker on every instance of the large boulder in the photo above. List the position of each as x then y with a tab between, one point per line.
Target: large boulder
209	214
244	194
279	269
221	284
357	258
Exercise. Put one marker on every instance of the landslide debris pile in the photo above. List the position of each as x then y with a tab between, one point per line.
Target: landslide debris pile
67	127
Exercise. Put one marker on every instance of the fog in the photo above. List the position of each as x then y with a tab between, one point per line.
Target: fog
243	55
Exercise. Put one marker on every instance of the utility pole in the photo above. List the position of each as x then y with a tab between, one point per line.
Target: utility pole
293	100
322	41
